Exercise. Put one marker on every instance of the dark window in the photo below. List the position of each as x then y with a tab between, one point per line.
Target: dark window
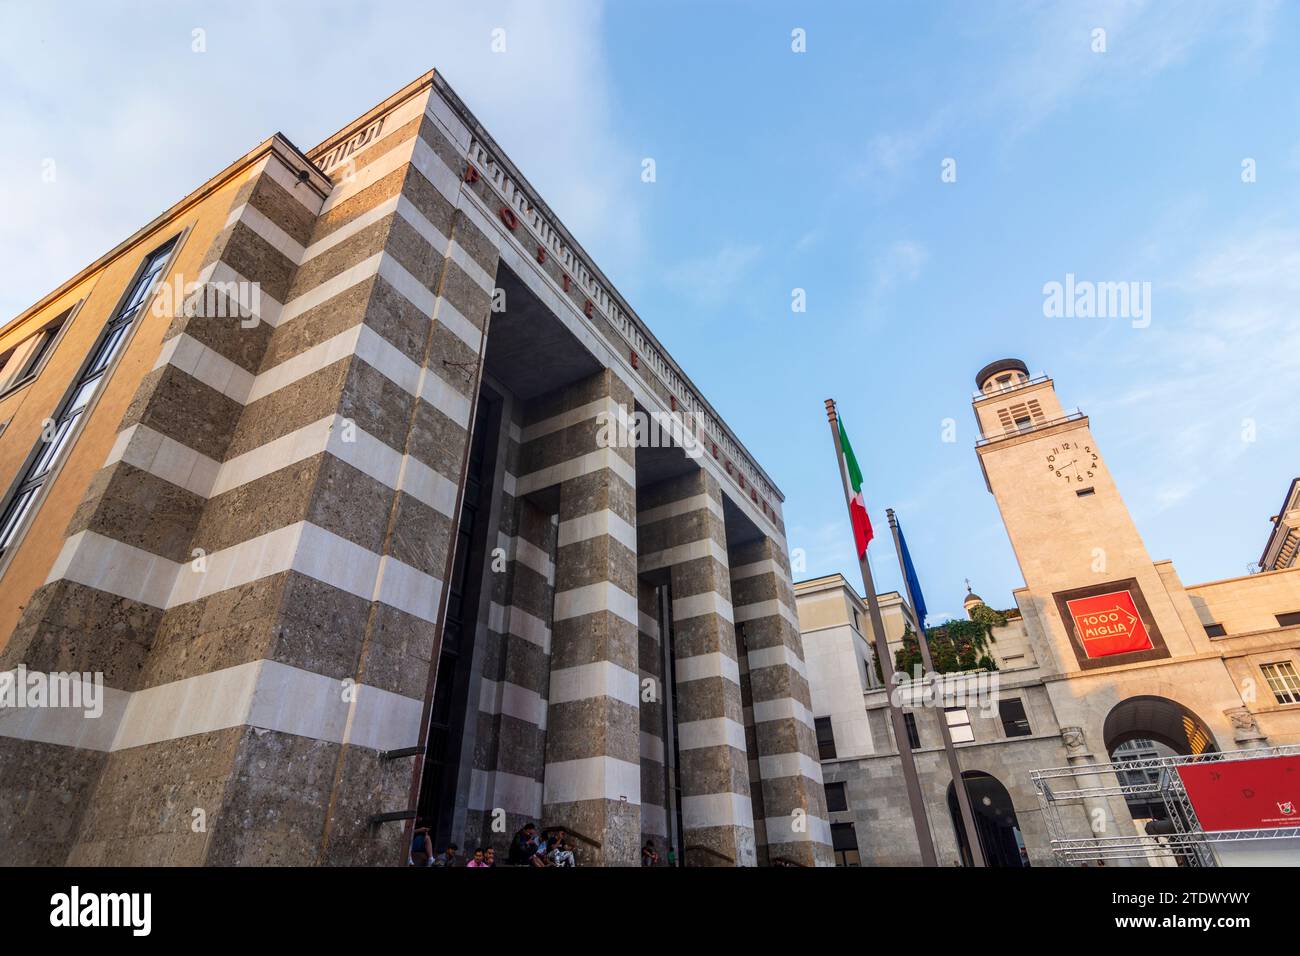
1015	722
59	434
1289	618
844	841
836	797
21	363
825	738
1085	492
1215	630
913	735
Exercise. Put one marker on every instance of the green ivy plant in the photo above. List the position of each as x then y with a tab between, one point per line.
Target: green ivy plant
954	646
986	615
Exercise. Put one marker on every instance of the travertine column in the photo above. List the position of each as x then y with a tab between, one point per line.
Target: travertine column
511	752
593	747
681	527
793	800
654	818
132	536
310	461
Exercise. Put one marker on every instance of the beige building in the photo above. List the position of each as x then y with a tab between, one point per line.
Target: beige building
1105	653
1284	539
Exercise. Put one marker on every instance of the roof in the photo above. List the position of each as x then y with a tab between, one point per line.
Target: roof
1001	365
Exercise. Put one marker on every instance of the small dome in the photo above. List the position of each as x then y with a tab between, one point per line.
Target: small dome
1001	365
972	598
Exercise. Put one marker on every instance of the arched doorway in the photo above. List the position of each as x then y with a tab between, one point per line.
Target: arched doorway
995	821
1158	719
1147	727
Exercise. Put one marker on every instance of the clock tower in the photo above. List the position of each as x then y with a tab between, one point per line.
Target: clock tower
1099	598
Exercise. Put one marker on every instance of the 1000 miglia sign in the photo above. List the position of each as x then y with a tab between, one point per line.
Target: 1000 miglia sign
1108	624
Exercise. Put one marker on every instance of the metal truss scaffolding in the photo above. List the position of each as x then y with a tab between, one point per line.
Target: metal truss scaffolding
1065	791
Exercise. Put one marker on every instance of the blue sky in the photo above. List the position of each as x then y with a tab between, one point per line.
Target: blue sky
779	170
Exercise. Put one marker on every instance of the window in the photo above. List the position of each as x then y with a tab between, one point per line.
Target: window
21	363
825	738
844	841
857	621
959	727
59	434
1085	492
1015	722
1215	630
1288	619
1022	416
836	797
913	735
1283	681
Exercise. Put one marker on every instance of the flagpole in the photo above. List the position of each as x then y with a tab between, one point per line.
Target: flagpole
881	644
954	767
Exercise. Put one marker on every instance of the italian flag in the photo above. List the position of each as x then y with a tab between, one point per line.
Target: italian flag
862	533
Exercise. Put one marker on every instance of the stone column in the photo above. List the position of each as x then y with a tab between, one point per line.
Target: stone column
302	474
654	779
593	746
511	752
681	528
133	536
793	799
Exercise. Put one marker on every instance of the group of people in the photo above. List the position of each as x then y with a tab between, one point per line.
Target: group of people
528	847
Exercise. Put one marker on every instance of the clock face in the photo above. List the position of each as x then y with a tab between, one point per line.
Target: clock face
1073	463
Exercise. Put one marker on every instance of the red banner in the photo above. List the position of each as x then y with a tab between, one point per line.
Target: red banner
1244	794
1109	624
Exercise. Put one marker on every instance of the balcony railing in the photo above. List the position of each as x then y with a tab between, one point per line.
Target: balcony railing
1011	387
1073	416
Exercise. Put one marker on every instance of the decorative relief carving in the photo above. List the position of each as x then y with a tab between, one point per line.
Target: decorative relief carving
1075	743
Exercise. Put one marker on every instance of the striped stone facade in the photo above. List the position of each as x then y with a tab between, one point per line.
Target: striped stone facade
791	821
682	529
261	568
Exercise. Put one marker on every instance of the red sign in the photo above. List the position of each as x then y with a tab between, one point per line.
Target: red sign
1244	794
1109	624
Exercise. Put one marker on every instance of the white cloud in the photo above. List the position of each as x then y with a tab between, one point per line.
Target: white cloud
1040	60
134	119
1220	362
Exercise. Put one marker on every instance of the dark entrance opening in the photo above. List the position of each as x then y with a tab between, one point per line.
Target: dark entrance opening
438	786
995	820
1159	719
